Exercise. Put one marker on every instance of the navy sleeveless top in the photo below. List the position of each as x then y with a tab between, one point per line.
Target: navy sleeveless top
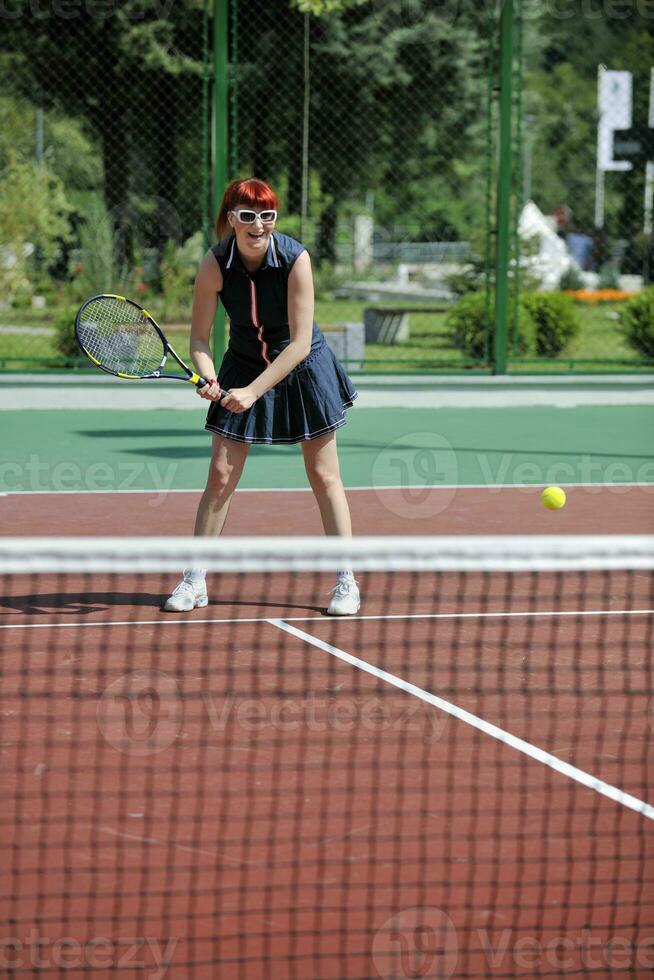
257	302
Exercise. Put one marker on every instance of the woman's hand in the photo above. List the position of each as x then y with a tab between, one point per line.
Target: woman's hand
211	391
238	399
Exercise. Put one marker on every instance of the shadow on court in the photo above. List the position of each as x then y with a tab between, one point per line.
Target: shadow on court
203	451
345	445
88	603
133	433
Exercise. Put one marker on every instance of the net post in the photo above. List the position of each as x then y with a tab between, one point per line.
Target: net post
504	188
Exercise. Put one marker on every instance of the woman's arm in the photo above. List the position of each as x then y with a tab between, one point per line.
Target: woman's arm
208	283
300	323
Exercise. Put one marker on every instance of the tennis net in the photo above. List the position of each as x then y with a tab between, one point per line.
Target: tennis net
456	782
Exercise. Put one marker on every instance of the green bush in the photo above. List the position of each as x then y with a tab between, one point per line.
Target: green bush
609	276
465	323
557	321
637	322
93	267
64	340
179	266
637	257
33	211
326	279
571	279
467	279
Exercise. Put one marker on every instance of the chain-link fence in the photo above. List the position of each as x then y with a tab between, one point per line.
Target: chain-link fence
103	164
379	123
374	125
584	119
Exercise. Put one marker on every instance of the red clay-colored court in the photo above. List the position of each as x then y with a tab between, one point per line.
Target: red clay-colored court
227	794
592	509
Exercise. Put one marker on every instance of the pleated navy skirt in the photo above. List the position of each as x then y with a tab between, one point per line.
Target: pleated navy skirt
306	404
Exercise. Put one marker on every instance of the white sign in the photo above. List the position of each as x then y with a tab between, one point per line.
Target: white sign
615	112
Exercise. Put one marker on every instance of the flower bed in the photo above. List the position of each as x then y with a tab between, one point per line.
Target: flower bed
600	295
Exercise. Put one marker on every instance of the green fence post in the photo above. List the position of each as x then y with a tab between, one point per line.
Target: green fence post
219	140
233	92
207	204
504	177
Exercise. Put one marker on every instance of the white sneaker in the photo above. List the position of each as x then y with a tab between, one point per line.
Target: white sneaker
346	600
187	595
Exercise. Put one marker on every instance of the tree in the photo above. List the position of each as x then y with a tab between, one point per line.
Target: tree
320	7
397	106
33	214
561	96
133	72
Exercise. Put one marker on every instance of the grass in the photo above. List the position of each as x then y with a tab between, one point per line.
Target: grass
598	343
427	343
598	346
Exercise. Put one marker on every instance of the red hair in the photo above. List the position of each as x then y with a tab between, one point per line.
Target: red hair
251	193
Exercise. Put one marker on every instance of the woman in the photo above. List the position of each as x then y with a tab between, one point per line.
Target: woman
278	382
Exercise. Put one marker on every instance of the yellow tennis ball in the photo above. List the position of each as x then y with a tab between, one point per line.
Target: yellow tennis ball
553	498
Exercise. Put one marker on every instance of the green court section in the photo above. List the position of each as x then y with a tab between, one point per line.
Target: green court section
165	450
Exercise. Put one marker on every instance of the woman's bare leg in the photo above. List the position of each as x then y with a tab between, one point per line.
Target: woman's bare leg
227	462
323	472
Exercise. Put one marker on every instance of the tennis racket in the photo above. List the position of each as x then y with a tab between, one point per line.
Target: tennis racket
122	338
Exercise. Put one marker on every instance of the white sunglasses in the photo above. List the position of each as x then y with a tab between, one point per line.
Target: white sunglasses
248	217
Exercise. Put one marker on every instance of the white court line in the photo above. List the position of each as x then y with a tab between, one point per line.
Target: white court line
326	619
534	752
405	488
558	765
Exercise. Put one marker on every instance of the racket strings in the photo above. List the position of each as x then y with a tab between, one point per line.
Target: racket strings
120	338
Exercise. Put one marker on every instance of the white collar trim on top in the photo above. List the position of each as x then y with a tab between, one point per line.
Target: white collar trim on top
271	259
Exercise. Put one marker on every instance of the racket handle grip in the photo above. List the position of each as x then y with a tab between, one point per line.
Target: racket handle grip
201	382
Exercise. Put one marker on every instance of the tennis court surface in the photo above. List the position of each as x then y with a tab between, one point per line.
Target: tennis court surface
455	783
